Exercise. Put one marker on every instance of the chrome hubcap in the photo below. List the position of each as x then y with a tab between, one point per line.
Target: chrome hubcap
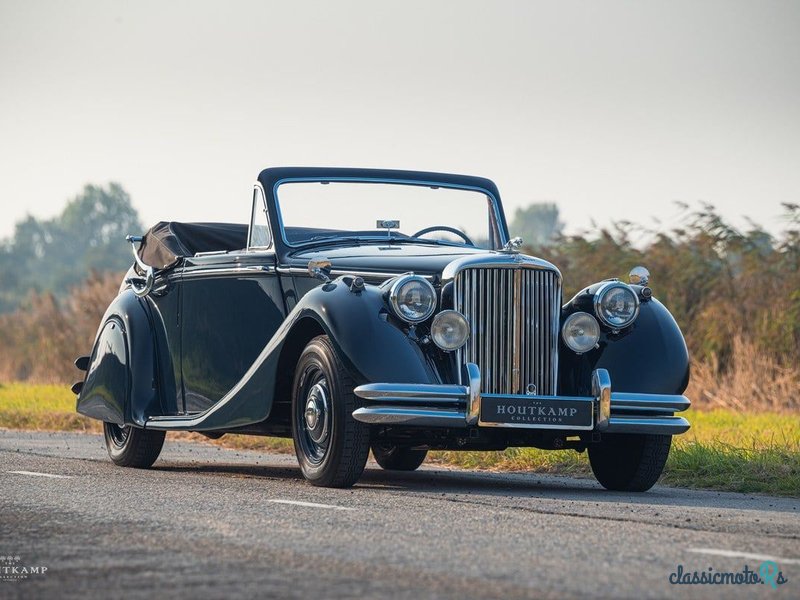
119	434
317	414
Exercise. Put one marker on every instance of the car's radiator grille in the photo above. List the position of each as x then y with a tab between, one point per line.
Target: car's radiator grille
514	317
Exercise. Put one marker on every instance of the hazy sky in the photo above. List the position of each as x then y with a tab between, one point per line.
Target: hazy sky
611	109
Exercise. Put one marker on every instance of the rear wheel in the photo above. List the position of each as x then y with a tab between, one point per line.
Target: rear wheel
398	458
331	446
631	462
132	447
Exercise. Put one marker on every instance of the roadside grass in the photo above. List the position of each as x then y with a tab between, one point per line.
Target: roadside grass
42	407
724	450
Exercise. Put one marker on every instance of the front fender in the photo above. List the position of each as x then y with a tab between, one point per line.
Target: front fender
120	384
365	336
650	357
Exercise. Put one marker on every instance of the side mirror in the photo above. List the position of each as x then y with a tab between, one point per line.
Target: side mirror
320	268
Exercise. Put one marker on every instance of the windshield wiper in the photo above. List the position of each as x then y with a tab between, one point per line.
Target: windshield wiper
417	240
336	239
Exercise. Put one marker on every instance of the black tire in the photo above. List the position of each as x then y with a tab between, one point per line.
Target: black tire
132	447
331	446
398	458
630	462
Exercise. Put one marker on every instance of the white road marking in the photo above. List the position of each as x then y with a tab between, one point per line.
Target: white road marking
310	504
35	474
750	555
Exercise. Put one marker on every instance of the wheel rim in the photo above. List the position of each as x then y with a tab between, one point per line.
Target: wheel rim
313	415
118	434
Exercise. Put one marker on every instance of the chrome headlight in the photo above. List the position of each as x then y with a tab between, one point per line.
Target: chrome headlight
412	298
450	330
581	332
616	304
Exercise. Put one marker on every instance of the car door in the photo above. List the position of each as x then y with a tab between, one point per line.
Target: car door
232	304
165	303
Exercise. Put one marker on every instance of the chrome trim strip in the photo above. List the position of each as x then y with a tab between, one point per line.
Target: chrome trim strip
388	415
634	401
381	392
657	425
225	271
340	272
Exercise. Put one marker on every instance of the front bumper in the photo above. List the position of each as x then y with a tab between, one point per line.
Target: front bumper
459	406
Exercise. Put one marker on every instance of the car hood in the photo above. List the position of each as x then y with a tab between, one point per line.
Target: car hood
386	258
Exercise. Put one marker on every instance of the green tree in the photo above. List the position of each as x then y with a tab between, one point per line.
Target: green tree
50	255
537	224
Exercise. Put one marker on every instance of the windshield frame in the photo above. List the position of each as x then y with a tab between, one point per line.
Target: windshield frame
496	208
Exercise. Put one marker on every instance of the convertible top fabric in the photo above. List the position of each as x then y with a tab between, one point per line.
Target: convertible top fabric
167	242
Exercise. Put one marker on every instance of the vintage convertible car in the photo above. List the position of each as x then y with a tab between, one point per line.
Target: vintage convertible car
387	310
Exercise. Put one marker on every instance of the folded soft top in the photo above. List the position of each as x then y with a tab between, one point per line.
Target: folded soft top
168	241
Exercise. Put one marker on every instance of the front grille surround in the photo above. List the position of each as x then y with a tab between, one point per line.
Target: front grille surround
514	311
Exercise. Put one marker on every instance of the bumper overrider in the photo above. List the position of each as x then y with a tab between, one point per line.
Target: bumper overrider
462	406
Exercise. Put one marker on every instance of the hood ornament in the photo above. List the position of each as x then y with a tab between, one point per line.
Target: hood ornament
513	245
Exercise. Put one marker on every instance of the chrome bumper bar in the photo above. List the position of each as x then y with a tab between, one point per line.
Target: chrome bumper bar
459	406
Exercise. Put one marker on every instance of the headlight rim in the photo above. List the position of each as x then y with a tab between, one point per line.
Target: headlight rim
598	299
573	316
393	296
441	314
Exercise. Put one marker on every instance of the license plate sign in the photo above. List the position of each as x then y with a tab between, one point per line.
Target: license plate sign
536	412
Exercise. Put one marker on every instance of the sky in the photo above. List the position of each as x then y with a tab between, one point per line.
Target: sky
613	110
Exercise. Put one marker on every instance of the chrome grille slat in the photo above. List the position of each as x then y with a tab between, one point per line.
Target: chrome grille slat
493	299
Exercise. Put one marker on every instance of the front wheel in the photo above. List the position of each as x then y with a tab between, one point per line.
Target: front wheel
630	462
132	447
398	458
331	446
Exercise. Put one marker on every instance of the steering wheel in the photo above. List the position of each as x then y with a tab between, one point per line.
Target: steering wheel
452	230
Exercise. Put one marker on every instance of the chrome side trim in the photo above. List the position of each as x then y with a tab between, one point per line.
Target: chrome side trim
340	272
226	271
657	425
419	417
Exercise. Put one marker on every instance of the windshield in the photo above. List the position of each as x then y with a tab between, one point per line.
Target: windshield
318	212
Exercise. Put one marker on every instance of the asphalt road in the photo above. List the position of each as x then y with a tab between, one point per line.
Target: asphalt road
210	522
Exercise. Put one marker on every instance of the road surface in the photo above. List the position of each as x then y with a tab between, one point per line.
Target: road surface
207	522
